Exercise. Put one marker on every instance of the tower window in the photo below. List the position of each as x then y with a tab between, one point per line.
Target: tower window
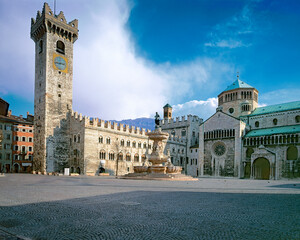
41	46
60	47
59	95
297	119
257	124
231	110
275	121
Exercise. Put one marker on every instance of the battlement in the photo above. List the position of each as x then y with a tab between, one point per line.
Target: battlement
180	121
47	21
116	127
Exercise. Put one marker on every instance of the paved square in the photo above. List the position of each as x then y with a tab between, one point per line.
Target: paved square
58	207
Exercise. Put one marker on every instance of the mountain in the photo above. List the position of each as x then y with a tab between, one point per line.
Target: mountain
147	123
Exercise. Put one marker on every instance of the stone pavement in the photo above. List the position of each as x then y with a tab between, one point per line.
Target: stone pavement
59	207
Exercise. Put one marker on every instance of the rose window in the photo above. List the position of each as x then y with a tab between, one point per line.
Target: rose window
219	149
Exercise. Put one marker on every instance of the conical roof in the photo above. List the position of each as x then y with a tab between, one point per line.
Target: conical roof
237	84
167	106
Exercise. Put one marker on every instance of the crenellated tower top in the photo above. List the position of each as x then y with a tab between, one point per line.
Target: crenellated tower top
47	21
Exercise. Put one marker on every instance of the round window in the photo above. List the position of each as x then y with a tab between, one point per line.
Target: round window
219	149
231	110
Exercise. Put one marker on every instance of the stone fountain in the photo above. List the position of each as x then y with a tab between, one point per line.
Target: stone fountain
158	165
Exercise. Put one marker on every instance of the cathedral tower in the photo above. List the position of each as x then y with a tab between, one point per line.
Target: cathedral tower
167	111
238	99
54	38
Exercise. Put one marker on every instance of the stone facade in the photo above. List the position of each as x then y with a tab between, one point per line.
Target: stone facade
183	134
220	145
98	145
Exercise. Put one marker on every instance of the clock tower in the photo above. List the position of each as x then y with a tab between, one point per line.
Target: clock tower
54	38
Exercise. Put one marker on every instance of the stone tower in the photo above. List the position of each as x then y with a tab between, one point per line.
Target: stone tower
167	111
238	99
54	38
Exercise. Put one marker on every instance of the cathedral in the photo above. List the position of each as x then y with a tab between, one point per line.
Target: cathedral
240	140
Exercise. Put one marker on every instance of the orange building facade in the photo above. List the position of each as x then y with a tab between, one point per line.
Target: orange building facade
22	152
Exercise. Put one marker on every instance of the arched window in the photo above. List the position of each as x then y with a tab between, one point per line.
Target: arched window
120	156
122	142
139	145
143	158
128	157
111	156
60	47
102	154
136	157
128	143
292	153
145	145
134	144
183	133
257	124
275	121
41	46
108	140
173	133
231	110
297	119
100	139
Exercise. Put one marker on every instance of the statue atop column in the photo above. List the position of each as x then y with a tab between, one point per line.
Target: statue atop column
157	120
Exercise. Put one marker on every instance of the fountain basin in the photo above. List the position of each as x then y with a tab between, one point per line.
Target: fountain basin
140	169
157	169
174	169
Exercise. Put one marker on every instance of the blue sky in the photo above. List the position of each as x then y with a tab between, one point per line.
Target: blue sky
133	57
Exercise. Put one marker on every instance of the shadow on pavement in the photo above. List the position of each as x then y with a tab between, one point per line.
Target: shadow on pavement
158	215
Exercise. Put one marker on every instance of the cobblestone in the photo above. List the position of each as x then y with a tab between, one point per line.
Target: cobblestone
58	207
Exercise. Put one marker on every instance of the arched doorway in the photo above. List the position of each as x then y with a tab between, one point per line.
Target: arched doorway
78	170
72	170
261	168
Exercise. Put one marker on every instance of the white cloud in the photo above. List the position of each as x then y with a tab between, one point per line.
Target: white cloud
202	108
113	82
233	33
230	43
